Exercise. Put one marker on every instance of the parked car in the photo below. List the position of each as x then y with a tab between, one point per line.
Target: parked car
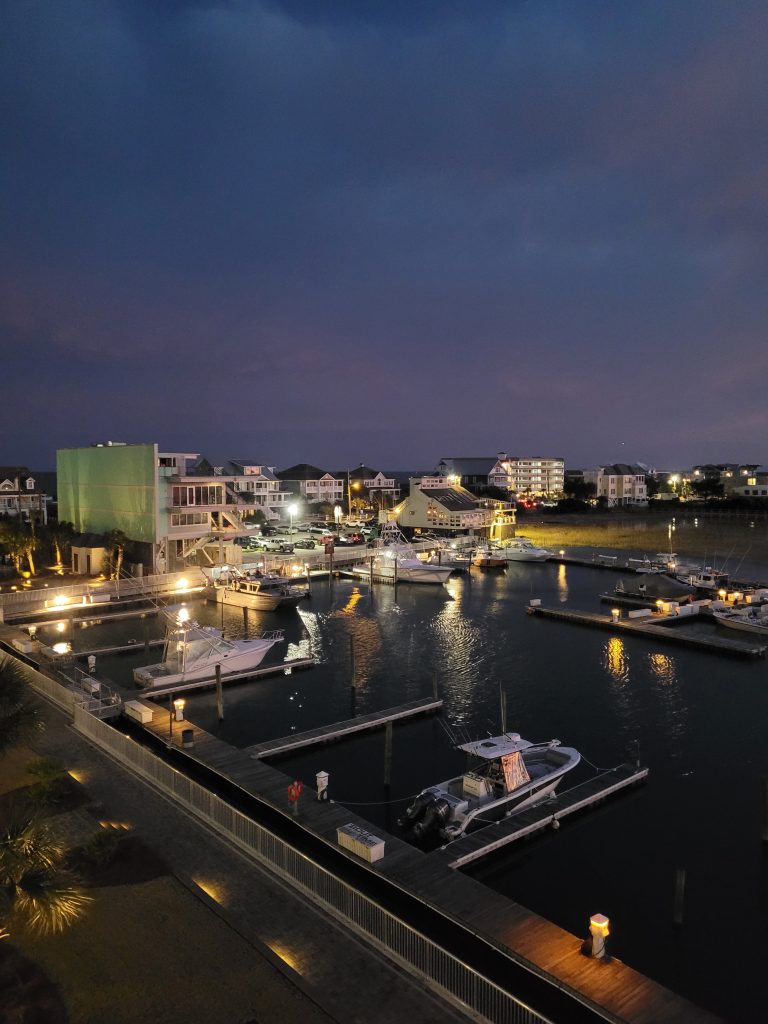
306	543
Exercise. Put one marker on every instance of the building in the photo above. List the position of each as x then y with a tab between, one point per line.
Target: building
173	512
438	506
20	496
619	484
733	476
254	484
313	484
371	485
535	476
753	485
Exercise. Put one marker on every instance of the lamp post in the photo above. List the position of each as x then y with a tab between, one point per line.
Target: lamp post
292	510
337	514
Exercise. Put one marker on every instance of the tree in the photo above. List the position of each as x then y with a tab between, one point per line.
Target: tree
18	718
578	488
34	886
116	541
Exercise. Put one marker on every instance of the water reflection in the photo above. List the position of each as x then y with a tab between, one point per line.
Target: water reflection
663	668
562	583
615	660
459	643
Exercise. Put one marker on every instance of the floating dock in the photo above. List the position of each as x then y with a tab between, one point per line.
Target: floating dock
164	689
716	644
543	815
338	730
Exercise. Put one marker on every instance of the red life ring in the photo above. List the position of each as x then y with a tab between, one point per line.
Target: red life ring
294	791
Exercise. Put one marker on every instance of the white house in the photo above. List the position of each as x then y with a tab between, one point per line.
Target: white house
619	483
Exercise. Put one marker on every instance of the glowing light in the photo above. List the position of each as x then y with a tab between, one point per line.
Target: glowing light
721	594
61	626
60	599
62	648
77	774
213	890
599	924
183	584
183	614
286	956
616	659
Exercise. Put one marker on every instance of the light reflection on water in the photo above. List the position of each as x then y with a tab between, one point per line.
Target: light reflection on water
562	583
616	661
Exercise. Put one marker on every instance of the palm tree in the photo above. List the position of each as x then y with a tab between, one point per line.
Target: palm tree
117	540
33	885
18	718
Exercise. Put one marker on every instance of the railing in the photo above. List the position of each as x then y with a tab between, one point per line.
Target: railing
447	974
151	586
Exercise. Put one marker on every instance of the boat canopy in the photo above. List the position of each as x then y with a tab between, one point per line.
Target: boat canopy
496	746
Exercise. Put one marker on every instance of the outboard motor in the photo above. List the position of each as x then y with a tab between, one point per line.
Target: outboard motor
416	809
438	812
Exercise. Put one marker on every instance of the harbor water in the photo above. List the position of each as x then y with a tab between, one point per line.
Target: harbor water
695	719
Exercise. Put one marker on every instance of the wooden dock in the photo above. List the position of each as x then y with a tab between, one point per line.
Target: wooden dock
716	644
283	668
338	730
543	815
138	645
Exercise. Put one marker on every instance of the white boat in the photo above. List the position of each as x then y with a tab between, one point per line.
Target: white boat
522	549
748	618
395	559
488	558
193	652
510	773
706	578
267	592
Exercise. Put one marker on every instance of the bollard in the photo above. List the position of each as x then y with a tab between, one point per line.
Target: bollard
321	778
615	613
219	695
598	929
91	663
387	753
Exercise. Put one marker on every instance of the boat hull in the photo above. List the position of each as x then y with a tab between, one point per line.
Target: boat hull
238	662
263	601
743	624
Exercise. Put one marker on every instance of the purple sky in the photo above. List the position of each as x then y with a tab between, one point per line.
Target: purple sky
387	232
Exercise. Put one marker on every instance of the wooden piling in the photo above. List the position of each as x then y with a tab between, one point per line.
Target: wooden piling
387	753
219	695
765	809
677	916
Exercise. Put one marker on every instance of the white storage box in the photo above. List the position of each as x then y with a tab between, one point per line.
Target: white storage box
364	844
139	711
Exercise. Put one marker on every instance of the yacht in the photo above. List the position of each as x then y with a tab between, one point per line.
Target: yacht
750	618
706	578
261	591
489	558
193	652
522	549
395	559
508	774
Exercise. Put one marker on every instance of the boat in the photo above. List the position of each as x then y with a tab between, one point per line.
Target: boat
750	618
509	773
706	579
193	652
522	549
261	591
394	559
488	558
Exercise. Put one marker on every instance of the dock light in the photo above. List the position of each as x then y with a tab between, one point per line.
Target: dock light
615	613
60	599
183	614
599	930
178	705
32	630
721	594
562	553
61	626
62	648
183	584
737	595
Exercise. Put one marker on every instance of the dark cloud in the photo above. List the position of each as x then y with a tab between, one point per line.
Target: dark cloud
385	231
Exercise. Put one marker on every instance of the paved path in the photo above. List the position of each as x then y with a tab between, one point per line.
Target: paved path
329	964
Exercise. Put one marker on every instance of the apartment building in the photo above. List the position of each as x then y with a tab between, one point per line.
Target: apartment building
619	484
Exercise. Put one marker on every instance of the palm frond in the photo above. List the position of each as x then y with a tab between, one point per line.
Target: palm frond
26	843
48	902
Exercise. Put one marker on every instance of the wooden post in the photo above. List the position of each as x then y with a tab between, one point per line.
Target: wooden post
765	809
309	583
394	570
245	621
503	698
434	684
677	916
371	572
219	695
387	753
352	691
146	635
170	718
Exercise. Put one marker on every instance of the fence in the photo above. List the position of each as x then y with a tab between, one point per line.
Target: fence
446	973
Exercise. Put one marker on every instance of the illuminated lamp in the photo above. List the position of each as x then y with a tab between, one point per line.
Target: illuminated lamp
178	705
599	930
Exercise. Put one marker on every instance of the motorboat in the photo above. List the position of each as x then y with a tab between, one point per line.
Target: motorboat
261	591
706	578
394	559
194	652
522	549
507	773
750	618
489	558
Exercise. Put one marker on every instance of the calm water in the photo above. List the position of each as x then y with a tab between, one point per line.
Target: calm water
698	720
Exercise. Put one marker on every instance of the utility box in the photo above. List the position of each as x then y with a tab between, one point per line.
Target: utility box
366	845
139	711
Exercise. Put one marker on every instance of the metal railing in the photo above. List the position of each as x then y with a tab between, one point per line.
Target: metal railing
149	586
448	975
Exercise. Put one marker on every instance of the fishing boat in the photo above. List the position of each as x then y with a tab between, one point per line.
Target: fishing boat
193	652
507	774
522	549
394	559
704	579
488	558
750	618
261	591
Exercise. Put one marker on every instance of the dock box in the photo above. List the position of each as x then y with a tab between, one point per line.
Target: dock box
357	840
139	710
24	646
640	613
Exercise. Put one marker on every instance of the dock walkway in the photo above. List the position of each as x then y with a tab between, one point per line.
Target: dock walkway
282	668
338	730
545	814
515	946
716	644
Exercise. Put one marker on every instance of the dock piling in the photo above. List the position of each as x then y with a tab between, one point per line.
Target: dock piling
387	753
677	915
765	809
219	695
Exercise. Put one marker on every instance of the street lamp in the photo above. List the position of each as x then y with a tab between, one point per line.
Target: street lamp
337	514
292	510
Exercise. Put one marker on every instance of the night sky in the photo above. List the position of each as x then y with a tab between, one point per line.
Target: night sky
387	232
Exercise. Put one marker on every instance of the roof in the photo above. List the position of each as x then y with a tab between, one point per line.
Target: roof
496	746
479	466
623	469
454	499
302	471
11	472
